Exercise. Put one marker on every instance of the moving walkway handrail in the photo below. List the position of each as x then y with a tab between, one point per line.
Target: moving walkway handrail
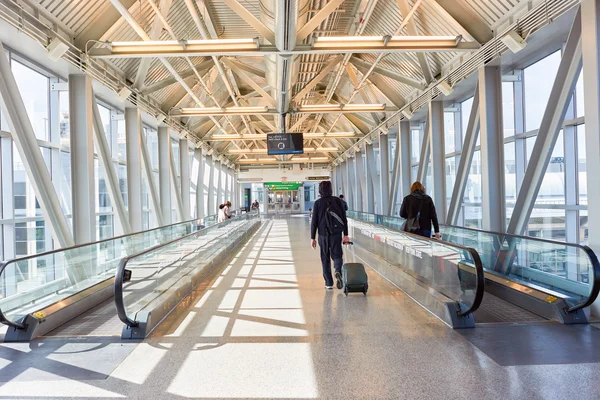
18	325
595	286
479	271
120	272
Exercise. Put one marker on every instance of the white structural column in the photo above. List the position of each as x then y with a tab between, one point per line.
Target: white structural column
424	156
590	19
492	149
464	165
551	124
212	207
384	173
219	177
164	173
110	175
438	157
373	180
184	168
150	184
405	158
200	211
133	133
83	188
15	113
362	179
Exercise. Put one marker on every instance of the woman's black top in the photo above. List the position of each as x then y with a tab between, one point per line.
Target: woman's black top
419	200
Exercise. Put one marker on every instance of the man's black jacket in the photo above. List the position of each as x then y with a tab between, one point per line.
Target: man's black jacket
319	221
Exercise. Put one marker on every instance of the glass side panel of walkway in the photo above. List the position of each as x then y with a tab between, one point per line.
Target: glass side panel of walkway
567	270
32	283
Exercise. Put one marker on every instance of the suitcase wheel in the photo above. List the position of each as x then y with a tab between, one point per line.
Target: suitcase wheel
365	289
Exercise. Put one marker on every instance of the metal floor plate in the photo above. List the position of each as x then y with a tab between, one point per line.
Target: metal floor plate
495	310
101	320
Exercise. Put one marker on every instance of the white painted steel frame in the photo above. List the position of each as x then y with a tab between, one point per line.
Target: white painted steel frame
552	121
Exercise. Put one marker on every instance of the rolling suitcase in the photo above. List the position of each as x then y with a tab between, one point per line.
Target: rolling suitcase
354	278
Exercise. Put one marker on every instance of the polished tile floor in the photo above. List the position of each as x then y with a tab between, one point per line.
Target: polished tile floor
265	328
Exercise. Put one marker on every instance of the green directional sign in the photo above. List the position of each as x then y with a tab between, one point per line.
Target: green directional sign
275	186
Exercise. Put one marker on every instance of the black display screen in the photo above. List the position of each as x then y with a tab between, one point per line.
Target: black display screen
285	143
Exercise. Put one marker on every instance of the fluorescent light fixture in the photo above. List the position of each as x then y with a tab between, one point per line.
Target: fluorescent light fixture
124	93
260	136
191	112
407	113
160	118
514	41
445	88
176	47
264	151
327	108
56	49
408	43
275	161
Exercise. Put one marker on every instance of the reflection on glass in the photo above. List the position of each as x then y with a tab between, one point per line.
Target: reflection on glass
508	108
35	89
537	89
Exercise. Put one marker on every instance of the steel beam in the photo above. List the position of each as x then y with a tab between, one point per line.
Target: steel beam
492	149
396	173
83	185
110	175
366	65
251	20
425	152
591	75
150	184
155	32
405	161
464	165
412	30
184	168
176	187
164	173
438	156
15	113
133	133
320	76
556	108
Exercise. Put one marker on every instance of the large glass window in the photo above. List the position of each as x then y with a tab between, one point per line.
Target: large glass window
538	81
35	91
508	108
449	132
582	165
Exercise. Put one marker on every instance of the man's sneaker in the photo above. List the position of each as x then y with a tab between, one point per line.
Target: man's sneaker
338	280
328	287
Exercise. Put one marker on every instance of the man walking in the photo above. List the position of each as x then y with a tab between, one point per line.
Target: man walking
329	220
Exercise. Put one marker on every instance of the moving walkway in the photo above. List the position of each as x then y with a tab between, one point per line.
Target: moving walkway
525	279
44	291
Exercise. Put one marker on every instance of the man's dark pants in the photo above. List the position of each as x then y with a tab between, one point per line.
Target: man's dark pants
331	248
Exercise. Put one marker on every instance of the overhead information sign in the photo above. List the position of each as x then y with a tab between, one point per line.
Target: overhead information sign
274	186
285	143
318	178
